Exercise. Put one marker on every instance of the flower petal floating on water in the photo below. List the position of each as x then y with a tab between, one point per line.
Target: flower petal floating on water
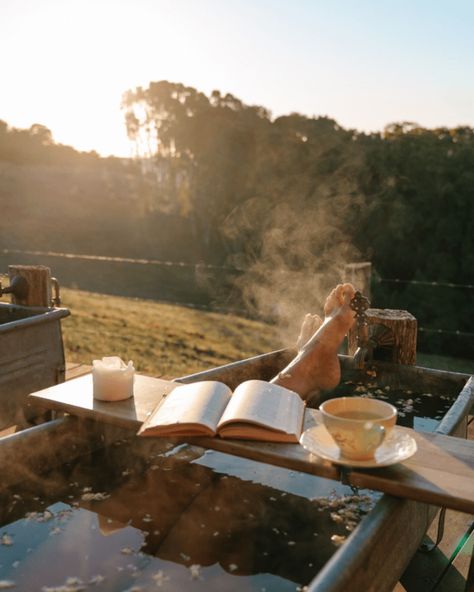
6	540
72	584
126	551
94	497
195	570
160	578
338	539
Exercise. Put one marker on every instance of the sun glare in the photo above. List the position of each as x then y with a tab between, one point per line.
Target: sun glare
68	62
79	63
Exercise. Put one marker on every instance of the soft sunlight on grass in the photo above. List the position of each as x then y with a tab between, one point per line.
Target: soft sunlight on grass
161	339
445	363
168	340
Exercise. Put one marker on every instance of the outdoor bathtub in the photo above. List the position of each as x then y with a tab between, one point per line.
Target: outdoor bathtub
176	489
31	356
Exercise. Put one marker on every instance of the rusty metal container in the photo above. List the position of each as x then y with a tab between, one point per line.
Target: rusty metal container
31	356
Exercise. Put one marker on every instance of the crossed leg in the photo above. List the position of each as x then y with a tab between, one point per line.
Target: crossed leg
316	366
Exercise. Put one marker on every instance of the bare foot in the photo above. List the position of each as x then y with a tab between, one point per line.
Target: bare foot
316	366
310	325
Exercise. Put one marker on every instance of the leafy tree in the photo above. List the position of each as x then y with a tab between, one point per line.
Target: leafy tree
286	200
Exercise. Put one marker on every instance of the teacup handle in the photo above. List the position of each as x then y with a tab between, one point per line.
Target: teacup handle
376	428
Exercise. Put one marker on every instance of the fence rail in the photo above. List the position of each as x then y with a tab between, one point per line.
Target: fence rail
427	283
105	258
203	265
199	264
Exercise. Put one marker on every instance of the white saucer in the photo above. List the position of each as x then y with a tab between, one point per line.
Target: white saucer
397	447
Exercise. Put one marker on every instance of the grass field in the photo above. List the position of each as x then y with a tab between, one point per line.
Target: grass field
160	338
168	340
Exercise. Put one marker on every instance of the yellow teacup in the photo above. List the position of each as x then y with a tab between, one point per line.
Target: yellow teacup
358	425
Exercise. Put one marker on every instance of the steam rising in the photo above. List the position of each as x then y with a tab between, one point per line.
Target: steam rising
302	255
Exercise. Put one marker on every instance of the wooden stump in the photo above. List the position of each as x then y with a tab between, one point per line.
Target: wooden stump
38	282
392	335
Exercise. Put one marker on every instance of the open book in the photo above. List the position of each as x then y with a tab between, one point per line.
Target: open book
256	410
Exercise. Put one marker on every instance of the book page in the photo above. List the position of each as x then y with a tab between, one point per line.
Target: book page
189	409
260	403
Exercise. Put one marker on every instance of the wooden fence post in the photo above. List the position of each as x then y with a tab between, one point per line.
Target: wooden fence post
393	333
38	278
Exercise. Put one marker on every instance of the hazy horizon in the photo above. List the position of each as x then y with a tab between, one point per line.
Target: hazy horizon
363	64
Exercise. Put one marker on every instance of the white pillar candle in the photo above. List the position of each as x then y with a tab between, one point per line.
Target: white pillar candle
112	379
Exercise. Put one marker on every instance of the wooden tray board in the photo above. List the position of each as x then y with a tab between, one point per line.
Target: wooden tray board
441	472
75	397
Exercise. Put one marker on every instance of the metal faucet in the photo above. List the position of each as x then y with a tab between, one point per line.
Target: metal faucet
18	287
360	304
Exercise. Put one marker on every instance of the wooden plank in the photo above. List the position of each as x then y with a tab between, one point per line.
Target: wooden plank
74	370
441	472
71	366
75	397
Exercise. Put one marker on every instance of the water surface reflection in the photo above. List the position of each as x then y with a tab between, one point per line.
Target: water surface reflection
142	515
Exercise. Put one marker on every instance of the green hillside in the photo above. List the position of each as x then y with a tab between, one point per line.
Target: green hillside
169	340
161	339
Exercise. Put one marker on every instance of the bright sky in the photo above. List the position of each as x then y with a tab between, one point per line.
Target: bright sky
366	63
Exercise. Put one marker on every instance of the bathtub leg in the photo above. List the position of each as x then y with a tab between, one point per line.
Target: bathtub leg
469	587
428	547
470	575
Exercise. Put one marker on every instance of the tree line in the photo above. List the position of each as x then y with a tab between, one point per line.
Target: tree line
287	201
275	194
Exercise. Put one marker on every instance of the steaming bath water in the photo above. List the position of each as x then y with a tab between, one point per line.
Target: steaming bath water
136	516
141	515
420	411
